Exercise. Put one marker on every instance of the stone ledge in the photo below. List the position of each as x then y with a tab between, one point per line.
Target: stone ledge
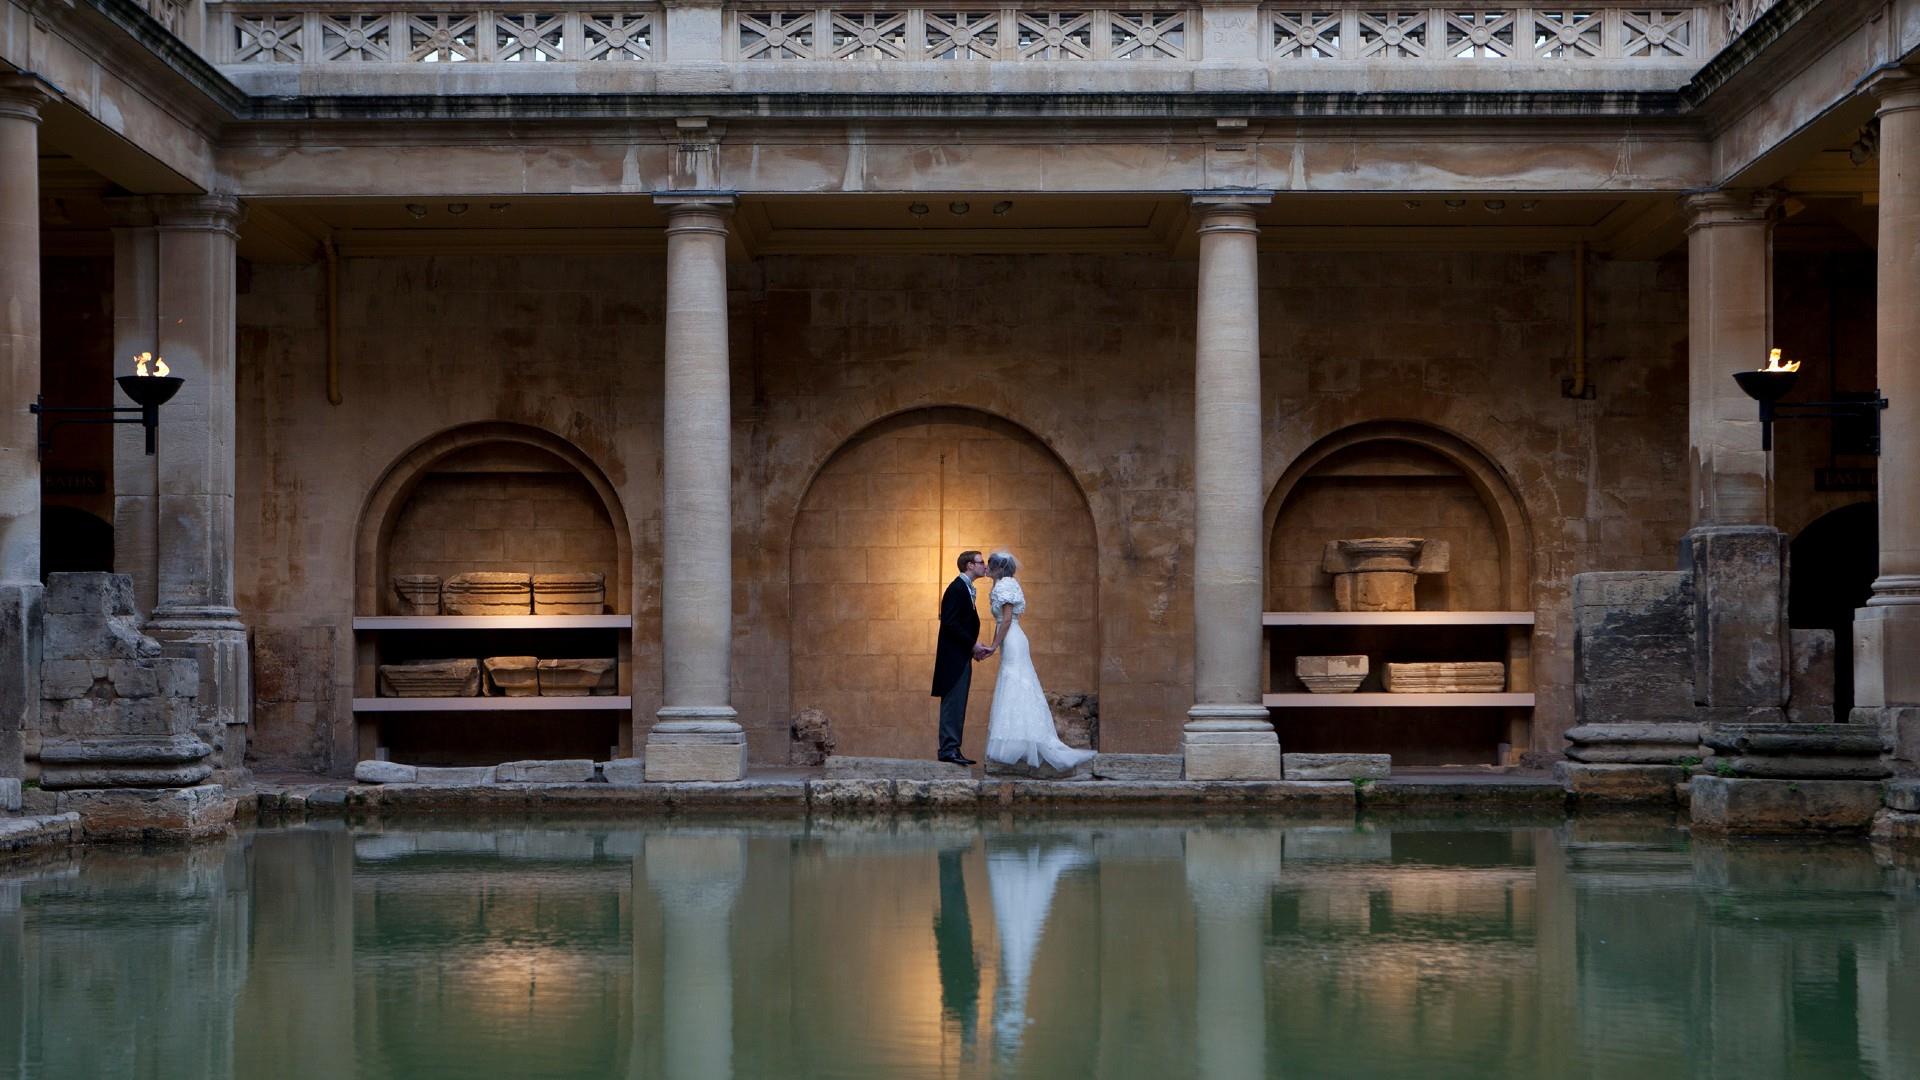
24	834
1740	805
128	814
1488	793
1897	827
843	767
1589	781
1136	766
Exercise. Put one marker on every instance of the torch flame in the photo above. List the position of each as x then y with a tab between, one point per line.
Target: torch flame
140	361
1774	364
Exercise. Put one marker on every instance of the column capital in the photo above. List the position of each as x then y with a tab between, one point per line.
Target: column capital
130	211
1893	88
1729	206
697	211
23	95
1228	211
198	213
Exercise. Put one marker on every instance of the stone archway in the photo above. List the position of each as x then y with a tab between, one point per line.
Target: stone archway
873	548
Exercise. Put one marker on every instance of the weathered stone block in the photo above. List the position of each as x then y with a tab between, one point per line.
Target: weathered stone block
1468	677
1633	647
1899	727
1800	767
850	794
1337	766
1379	573
124	750
1740	805
1076	718
1896	827
1804	740
132	678
383	772
563	771
1137	766
1885	641
695	756
579	678
570	594
840	767
9	794
947	794
149	814
1904	795
1230	755
812	738
624	772
462	776
1810	681
1331	674
61	680
21	637
101	596
487	594
1020	770
85	637
419	594
1739	615
67	777
431	678
1619	783
513	676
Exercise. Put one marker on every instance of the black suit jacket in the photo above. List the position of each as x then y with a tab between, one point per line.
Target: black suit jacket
959	633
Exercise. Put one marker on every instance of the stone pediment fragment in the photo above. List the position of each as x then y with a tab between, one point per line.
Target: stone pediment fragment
431	678
488	593
582	593
578	678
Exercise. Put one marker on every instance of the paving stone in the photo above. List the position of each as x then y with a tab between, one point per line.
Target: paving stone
624	772
1042	771
38	831
1741	805
951	794
840	767
1599	782
383	772
563	771
850	794
457	777
1137	766
1337	766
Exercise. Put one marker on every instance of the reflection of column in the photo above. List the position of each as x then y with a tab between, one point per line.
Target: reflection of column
1231	874
1730	325
697	877
1228	733
696	736
21	97
194	612
1886	632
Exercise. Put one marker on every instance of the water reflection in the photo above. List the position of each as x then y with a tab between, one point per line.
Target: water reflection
895	949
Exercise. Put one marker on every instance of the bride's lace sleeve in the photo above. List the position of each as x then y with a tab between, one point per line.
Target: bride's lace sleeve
1007	592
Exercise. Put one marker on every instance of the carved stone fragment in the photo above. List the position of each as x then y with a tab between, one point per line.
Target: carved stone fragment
1378	573
1470	677
514	676
570	594
812	738
1331	674
419	593
488	593
431	678
578	678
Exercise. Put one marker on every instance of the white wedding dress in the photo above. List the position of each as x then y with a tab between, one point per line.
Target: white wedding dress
1020	725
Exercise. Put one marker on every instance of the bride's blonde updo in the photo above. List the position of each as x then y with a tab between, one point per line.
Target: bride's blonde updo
1002	564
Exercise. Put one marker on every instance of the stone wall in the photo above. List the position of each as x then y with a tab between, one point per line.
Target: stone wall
1089	355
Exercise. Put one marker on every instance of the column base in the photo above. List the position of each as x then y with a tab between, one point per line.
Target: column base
1736	805
1630	783
695	743
1886	655
1229	742
21	608
216	640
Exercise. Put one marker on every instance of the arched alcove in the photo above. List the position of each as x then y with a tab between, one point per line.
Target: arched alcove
873	549
1401	479
1833	563
491	497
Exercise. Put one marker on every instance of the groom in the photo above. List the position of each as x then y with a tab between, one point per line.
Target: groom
953	656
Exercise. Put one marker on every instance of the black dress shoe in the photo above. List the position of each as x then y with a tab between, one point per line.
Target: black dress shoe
955	759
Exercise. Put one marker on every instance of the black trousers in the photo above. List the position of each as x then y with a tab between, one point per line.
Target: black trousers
953	712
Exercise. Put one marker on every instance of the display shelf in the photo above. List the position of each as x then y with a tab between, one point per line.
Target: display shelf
493	622
490	704
1396	618
1397	701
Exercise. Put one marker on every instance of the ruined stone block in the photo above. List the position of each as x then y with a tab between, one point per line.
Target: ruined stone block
513	676
1603	782
583	593
1230	755
9	794
812	738
850	794
1740	642
1740	805
487	593
563	771
1469	677
579	678
122	760
88	637
134	814
624	772
418	594
1076	718
1633	647
1043	771
1331	674
691	756
936	794
1337	766
462	776
839	767
1379	573
100	596
1137	766
383	772
1810	690
430	678
1633	744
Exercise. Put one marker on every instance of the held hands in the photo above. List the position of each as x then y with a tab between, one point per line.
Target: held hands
981	652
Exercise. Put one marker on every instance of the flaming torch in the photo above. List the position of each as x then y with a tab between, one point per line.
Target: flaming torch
150	387
1769	384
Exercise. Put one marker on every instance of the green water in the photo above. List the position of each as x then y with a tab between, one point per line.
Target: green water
1048	949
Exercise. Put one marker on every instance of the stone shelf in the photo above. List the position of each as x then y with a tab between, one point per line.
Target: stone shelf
1396	701
493	622
495	704
1396	618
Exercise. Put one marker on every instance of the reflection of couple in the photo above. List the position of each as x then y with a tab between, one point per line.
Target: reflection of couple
1020	724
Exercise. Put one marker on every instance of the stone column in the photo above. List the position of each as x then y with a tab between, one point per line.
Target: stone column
1886	633
136	329
697	877
1231	874
696	736
1228	733
21	98
193	613
1729	329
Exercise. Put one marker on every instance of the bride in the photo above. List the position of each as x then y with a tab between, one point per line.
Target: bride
1020	725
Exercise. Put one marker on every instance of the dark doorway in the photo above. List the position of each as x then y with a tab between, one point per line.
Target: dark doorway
74	541
1834	561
